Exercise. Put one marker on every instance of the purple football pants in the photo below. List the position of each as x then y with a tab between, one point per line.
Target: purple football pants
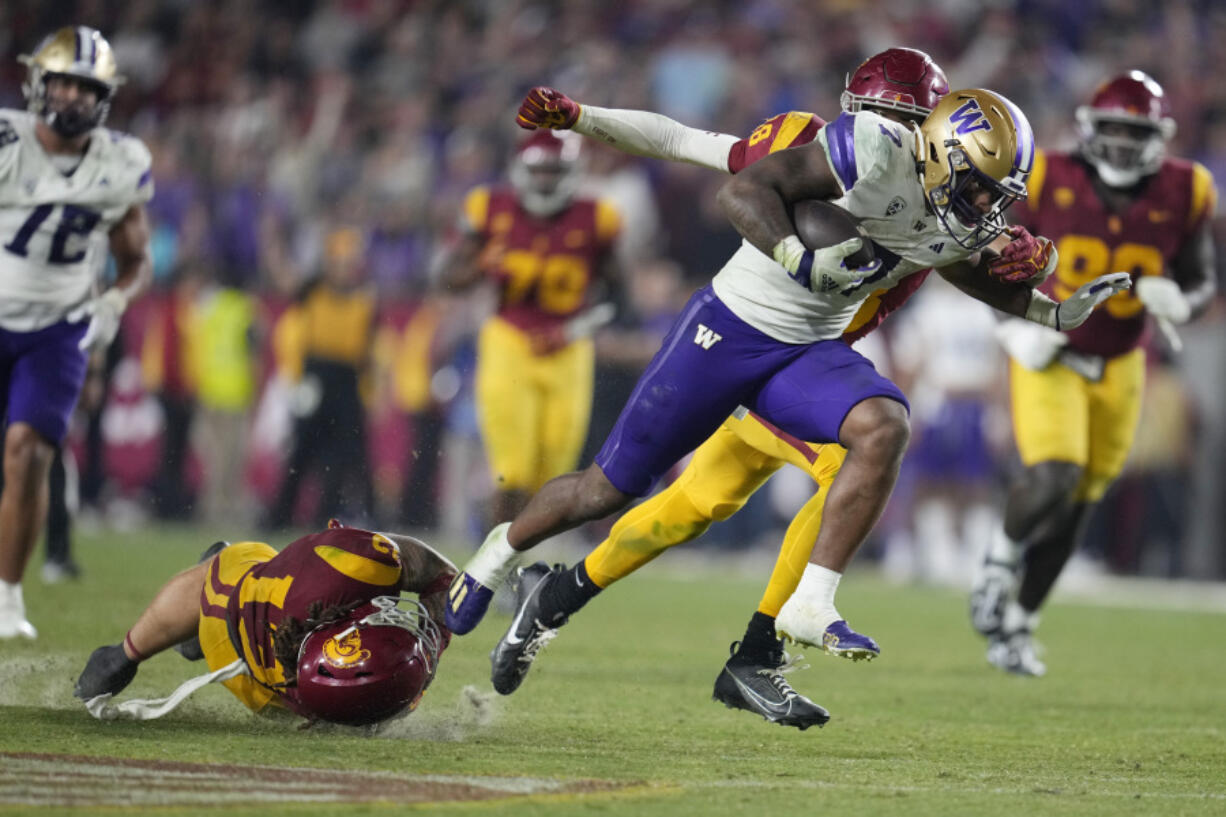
41	374
711	362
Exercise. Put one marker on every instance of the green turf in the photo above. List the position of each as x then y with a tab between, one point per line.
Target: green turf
1130	720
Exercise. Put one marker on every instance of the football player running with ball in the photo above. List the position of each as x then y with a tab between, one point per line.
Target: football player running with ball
67	186
1115	203
319	629
773	319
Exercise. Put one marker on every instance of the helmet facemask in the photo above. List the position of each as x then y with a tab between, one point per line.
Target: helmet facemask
1122	149
959	207
545	172
74	118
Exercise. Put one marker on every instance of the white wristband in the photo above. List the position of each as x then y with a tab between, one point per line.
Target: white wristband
1043	310
788	252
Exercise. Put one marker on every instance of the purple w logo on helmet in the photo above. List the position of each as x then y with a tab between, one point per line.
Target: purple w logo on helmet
969	118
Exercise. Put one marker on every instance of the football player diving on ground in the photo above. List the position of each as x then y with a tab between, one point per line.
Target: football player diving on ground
319	629
1116	202
778	310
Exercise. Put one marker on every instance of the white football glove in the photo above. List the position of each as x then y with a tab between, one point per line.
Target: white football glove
1073	310
822	270
104	313
1163	298
1030	344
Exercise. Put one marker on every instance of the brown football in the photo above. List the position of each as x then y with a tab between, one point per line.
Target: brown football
822	224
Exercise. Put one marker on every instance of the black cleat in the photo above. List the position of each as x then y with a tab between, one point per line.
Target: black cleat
108	671
513	656
761	688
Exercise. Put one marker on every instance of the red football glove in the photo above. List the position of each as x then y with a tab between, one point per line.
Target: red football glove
1025	257
546	108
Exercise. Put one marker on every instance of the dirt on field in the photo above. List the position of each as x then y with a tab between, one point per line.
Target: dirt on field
75	780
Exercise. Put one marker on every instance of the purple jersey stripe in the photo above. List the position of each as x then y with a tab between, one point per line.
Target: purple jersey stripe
841	144
144	178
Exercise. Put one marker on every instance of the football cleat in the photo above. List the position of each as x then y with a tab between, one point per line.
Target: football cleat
797	624
992	590
108	672
1016	653
467	602
842	641
762	689
513	656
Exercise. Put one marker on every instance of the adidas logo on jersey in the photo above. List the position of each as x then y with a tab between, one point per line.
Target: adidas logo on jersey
937	247
706	338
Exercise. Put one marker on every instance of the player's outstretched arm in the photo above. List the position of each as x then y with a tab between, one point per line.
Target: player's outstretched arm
640	133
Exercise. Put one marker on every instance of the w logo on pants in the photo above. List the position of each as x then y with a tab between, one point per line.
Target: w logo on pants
706	338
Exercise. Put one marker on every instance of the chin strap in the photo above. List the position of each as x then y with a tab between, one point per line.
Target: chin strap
146	709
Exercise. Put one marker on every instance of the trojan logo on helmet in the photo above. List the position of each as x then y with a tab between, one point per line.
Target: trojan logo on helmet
545	171
900	79
974	153
1125	128
371	665
79	53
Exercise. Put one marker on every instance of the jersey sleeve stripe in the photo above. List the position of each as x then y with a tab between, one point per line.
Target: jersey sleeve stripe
144	178
358	567
1204	195
841	143
793	125
1034	186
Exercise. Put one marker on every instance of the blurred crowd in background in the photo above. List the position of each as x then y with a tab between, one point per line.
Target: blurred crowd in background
329	143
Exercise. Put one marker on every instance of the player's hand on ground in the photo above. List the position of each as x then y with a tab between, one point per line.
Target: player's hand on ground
1025	258
823	269
1074	309
547	108
1163	298
104	313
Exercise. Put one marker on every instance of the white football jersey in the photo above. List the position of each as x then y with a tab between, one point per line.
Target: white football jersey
874	160
54	225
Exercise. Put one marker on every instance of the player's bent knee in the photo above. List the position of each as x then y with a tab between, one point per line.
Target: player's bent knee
598	496
1056	480
877	428
26	450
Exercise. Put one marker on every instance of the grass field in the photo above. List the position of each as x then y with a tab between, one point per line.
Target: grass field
1130	720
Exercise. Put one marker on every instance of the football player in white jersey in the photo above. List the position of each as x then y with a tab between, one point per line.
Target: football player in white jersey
766	334
67	185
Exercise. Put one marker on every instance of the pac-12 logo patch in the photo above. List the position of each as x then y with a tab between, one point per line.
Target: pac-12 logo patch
969	118
895	206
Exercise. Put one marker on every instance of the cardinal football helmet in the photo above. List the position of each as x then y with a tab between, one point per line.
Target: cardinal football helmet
1125	128
900	79
545	171
975	142
79	52
369	666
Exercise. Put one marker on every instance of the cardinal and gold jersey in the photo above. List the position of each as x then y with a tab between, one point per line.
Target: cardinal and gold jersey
54	218
1093	240
250	590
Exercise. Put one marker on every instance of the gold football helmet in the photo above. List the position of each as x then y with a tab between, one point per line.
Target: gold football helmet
79	52
974	153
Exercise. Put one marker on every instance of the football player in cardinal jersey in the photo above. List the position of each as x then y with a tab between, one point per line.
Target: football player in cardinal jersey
319	629
1115	203
67	185
954	206
550	255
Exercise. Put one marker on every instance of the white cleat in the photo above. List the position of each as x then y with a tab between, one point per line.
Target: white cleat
1018	654
13	623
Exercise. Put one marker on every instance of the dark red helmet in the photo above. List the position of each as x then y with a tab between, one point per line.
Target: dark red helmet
1125	128
545	171
900	79
369	666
